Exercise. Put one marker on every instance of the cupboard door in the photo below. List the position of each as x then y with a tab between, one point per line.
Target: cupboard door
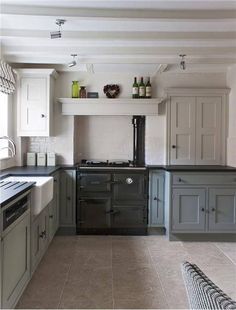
127	216
222	209
188	209
33	105
94	213
182	140
67	198
15	262
35	243
208	131
156	199
129	188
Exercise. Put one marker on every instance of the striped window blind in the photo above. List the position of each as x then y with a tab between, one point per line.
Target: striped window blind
7	80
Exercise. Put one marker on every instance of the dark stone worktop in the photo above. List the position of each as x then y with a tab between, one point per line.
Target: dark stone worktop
29	171
189	168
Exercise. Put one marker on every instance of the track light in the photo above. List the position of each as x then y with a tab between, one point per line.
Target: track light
57	34
73	62
182	62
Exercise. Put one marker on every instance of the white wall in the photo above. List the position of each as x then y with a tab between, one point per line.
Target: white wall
111	137
231	143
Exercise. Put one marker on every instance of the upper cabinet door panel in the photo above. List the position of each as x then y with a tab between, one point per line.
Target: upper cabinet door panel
182	130
208	133
33	104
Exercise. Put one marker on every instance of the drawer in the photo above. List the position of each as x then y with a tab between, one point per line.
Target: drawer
198	178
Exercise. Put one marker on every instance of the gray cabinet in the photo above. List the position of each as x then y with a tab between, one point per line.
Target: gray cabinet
67	198
15	261
188	210
39	238
54	208
222	209
156	199
202	202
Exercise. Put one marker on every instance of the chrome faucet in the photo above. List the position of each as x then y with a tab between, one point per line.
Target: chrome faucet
11	148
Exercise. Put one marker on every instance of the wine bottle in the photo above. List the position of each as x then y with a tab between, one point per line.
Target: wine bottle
141	89
148	88
135	93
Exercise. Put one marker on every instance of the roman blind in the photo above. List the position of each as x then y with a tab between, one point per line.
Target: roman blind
7	80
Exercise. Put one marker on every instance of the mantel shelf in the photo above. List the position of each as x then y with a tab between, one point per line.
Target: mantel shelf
104	106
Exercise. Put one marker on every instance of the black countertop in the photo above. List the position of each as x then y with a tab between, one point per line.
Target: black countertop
47	171
11	190
189	168
29	171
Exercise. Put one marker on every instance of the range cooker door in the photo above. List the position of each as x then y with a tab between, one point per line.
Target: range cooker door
128	217
94	182
129	188
93	214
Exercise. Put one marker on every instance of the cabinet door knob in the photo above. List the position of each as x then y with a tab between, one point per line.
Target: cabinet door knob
155	198
68	198
202	209
180	180
51	216
173	146
213	209
43	115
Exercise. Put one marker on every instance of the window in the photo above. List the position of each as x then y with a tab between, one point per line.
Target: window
4	110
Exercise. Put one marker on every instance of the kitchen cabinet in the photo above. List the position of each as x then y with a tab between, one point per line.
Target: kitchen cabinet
15	262
189	209
54	208
156	198
222	209
35	102
196	130
67	198
202	202
39	238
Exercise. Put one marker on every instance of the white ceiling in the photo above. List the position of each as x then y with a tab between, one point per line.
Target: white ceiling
120	32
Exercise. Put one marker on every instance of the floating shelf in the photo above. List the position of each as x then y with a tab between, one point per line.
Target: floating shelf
104	106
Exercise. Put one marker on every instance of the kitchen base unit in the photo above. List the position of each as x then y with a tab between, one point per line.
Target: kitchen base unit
15	250
112	201
201	205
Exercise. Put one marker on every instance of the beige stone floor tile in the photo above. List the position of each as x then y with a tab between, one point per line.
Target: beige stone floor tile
136	281
175	291
144	302
26	303
88	275
128	258
87	294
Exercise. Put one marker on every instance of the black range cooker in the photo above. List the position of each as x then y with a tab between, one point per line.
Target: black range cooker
111	198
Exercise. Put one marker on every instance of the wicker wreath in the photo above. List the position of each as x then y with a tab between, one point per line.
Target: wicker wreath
111	90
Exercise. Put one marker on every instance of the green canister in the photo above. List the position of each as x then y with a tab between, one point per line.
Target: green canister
75	89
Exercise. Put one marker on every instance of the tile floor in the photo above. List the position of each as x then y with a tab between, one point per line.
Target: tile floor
106	272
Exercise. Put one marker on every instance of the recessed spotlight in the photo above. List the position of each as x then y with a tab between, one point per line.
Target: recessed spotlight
73	62
182	62
57	34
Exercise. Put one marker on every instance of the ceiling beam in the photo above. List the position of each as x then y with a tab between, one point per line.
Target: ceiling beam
108	35
117	13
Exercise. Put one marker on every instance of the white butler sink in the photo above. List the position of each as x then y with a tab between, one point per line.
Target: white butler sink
41	193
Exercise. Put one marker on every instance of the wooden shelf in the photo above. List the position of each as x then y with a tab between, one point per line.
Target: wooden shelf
104	106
